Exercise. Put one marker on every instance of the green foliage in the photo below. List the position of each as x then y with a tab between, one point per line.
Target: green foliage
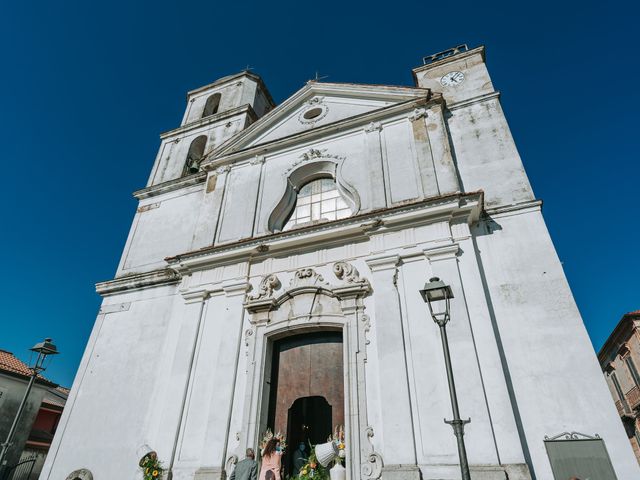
151	466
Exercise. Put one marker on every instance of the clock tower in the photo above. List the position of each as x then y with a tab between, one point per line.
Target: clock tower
458	73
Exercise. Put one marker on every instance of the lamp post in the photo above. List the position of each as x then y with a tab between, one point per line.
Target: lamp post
436	291
43	349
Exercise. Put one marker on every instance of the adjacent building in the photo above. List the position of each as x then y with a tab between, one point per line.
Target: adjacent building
271	279
620	360
38	422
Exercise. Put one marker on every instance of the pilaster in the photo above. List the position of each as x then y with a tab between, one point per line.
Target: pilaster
423	151
375	166
397	422
442	158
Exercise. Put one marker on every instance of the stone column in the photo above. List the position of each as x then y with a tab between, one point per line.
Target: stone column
399	452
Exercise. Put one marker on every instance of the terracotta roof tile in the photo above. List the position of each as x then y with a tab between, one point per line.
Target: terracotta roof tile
10	363
635	312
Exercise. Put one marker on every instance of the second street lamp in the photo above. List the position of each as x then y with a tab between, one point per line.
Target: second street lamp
437	296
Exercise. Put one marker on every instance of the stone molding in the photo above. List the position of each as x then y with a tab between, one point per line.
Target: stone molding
138	281
355	227
383	262
171	185
349	292
444	252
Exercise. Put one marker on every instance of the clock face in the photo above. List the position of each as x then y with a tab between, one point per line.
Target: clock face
452	79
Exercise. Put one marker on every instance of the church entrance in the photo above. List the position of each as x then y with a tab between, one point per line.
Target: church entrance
307	390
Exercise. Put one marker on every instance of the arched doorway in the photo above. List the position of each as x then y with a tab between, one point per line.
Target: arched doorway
307	389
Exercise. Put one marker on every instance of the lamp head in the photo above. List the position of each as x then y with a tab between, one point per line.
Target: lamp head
436	290
45	348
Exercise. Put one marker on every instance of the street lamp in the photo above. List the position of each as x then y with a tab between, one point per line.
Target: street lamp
43	349
437	295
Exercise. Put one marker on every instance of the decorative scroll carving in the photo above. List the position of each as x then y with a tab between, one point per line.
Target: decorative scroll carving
572	436
82	474
372	466
305	277
313	153
230	463
257	160
347	272
417	114
268	284
224	169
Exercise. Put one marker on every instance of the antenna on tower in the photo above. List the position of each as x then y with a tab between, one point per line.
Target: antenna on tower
247	68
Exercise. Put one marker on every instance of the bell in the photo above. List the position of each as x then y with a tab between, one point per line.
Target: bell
194	165
326	452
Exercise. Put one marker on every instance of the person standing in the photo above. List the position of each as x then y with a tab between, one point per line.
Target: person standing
271	459
246	469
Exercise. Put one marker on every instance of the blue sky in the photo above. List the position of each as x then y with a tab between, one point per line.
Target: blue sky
87	87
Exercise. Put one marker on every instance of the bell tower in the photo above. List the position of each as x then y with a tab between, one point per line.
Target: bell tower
214	113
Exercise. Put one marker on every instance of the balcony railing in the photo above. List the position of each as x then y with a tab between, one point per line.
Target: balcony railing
633	397
620	408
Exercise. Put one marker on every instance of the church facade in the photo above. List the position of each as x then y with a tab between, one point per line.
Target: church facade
271	279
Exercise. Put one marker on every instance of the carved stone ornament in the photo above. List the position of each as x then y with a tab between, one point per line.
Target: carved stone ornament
373	127
231	463
371	468
82	474
224	169
313	153
257	160
417	114
306	277
268	284
347	272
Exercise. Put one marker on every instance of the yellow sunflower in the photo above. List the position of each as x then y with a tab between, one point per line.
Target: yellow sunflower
155	473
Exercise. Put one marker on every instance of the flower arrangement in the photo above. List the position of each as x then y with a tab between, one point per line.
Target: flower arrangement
268	435
151	466
312	470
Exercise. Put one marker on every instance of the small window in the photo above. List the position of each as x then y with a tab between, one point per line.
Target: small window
316	201
211	107
194	157
616	384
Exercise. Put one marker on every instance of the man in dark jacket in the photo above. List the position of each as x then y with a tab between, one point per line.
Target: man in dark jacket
246	469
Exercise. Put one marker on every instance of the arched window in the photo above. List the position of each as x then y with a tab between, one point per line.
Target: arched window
211	107
318	200
194	157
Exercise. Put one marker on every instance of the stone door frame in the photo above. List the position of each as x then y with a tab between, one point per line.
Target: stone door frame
362	460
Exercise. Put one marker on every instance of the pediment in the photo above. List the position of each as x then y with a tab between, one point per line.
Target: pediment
319	104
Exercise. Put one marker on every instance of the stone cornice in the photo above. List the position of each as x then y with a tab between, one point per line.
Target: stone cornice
224	156
502	210
171	185
335	232
470	101
231	78
452	58
138	281
217	117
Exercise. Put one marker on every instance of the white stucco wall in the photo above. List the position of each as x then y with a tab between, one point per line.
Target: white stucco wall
178	355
